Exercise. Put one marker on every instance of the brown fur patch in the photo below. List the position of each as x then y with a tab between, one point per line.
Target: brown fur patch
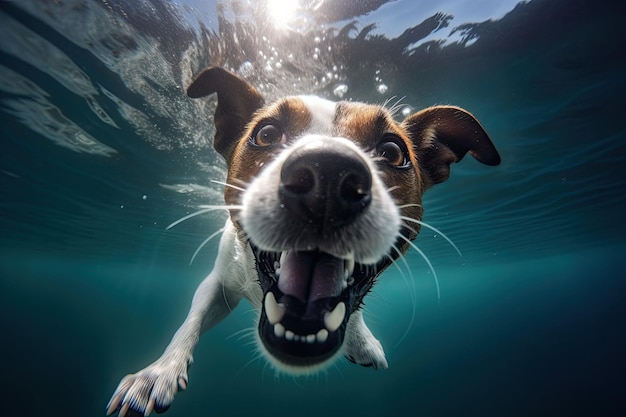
366	125
289	114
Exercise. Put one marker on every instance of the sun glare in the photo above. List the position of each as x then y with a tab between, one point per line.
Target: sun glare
282	12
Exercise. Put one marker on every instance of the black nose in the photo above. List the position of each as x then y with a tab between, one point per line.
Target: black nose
327	186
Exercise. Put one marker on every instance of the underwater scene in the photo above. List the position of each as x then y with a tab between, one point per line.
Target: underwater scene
512	301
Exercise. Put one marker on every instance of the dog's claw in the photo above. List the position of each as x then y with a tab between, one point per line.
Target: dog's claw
182	383
115	401
149	407
151	389
124	410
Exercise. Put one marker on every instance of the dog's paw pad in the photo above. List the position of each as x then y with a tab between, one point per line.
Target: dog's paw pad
152	389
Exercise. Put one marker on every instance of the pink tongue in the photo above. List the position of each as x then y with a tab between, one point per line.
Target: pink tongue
310	276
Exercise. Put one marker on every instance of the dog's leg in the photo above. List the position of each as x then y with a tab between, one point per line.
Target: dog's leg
361	345
154	387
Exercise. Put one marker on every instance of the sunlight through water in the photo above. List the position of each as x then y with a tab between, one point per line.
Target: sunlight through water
282	12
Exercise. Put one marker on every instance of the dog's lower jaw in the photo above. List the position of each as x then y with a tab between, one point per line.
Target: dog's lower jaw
358	345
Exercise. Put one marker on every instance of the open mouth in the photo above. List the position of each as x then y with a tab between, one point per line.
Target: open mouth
308	297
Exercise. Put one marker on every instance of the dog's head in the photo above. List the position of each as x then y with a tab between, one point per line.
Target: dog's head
328	192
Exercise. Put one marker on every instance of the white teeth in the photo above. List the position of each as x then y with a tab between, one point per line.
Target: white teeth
348	279
333	320
273	310
322	335
279	330
349	267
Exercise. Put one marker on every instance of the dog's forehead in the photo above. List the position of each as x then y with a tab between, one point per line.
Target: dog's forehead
312	114
321	113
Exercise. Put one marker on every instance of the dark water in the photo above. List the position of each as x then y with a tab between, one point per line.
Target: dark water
101	150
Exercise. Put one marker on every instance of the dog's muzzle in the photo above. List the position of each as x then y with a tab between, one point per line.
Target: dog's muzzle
310	294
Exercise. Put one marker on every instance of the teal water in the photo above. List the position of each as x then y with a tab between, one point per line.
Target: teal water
101	150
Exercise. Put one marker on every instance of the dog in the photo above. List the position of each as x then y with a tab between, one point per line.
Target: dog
322	197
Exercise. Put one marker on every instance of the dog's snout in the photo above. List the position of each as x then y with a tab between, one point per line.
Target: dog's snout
328	186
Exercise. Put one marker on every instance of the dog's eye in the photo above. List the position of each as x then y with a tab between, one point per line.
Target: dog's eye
267	135
394	151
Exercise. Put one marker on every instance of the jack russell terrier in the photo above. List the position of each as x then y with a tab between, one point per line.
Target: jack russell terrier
323	196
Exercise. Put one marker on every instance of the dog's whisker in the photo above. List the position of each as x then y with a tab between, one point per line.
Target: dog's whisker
404	262
410	205
242	333
224	294
396	106
411	229
255	358
225	184
204	208
434	229
395	187
393	109
430	265
221	207
410	283
189	216
207	240
241	182
252	342
386	102
336	367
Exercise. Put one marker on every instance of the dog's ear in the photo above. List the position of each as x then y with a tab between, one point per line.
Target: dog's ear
236	103
444	134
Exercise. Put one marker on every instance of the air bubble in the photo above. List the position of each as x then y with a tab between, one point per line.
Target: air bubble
382	88
340	90
246	69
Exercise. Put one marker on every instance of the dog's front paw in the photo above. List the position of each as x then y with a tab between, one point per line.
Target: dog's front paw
369	352
152	388
361	345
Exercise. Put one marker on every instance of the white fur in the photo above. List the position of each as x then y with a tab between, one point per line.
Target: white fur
322	114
